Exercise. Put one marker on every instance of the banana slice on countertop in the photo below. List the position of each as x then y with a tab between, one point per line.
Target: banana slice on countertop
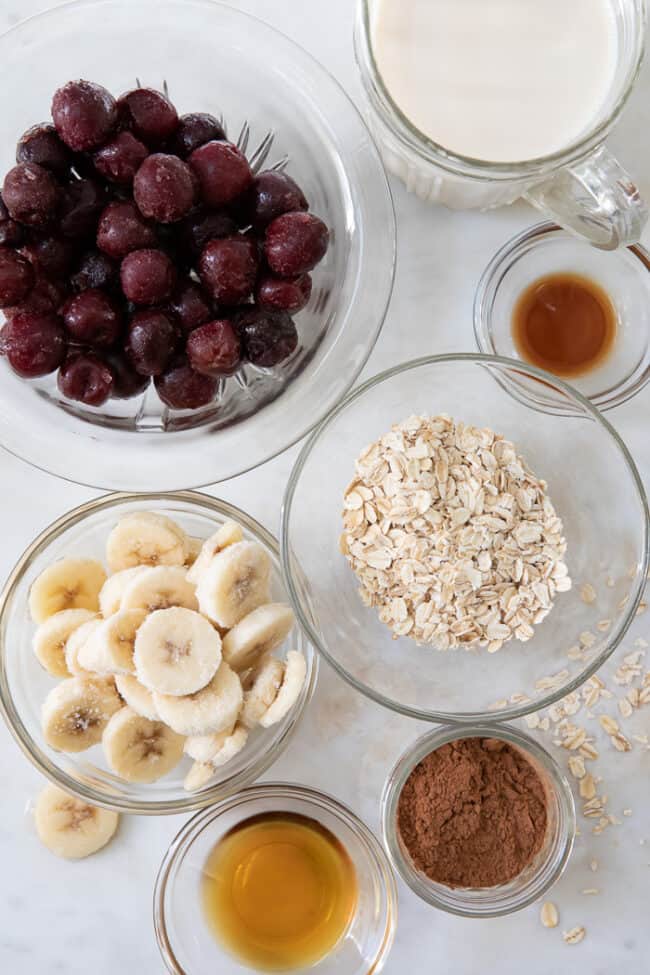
140	750
159	588
76	711
295	672
202	772
229	533
66	584
145	538
266	682
138	698
110	596
259	633
110	648
69	827
52	636
75	642
177	652
235	583
202	748
212	709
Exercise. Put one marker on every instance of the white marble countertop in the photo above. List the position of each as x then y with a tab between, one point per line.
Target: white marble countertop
95	916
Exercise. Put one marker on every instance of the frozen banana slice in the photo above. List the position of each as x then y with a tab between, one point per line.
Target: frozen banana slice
194	546
231	747
66	584
202	748
198	776
75	642
145	538
177	652
235	583
261	632
295	672
76	711
229	533
110	648
266	683
138	698
71	828
110	596
212	709
159	588
52	636
140	750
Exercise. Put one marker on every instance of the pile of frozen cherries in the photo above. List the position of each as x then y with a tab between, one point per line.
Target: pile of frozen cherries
136	245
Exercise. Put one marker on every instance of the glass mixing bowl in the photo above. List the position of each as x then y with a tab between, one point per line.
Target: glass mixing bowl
24	684
596	490
186	943
220	60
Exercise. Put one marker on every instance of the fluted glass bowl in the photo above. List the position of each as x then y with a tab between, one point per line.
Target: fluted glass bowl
596	490
24	684
220	60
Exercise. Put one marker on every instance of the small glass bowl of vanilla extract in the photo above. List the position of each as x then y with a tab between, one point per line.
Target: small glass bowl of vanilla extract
277	878
582	314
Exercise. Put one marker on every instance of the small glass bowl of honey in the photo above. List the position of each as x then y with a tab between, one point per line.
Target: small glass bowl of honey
278	878
579	313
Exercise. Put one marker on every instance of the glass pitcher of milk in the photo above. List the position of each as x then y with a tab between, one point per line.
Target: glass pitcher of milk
475	103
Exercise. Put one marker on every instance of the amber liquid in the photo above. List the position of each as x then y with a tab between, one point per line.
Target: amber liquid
564	323
279	891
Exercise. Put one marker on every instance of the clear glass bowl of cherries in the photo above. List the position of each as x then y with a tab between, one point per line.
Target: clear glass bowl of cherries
166	276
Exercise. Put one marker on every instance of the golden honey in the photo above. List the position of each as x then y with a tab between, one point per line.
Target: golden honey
279	891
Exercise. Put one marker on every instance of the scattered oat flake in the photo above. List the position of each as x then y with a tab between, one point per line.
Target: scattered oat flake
587	638
574	936
591	890
627	812
603	625
625	707
593	866
587	786
577	766
588	593
608	724
549	915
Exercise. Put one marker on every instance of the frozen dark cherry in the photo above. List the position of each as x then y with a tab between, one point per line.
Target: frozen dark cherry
228	268
123	229
84	114
283	294
51	256
127	383
31	194
41	145
92	318
148	114
214	349
147	277
46	296
267	337
271	195
295	243
223	172
16	278
163	188
198	228
181	388
12	234
119	159
96	270
195	130
82	204
151	342
86	379
34	343
190	306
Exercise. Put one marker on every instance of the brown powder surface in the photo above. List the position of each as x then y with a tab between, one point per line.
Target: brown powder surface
473	813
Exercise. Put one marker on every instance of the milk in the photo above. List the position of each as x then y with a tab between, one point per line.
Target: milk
497	80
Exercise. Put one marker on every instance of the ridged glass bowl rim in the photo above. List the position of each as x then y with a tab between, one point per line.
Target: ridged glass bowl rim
274	790
429	742
371	332
288	560
12	718
490	282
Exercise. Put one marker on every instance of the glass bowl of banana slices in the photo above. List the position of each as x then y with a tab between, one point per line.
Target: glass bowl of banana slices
149	661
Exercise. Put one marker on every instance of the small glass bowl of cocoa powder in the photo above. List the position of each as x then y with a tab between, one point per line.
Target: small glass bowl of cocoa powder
478	821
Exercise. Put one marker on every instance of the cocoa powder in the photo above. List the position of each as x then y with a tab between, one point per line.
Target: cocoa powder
473	813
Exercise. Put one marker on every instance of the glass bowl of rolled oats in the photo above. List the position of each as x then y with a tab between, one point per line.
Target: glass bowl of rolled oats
456	553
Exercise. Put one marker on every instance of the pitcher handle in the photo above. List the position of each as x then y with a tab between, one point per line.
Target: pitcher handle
595	199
